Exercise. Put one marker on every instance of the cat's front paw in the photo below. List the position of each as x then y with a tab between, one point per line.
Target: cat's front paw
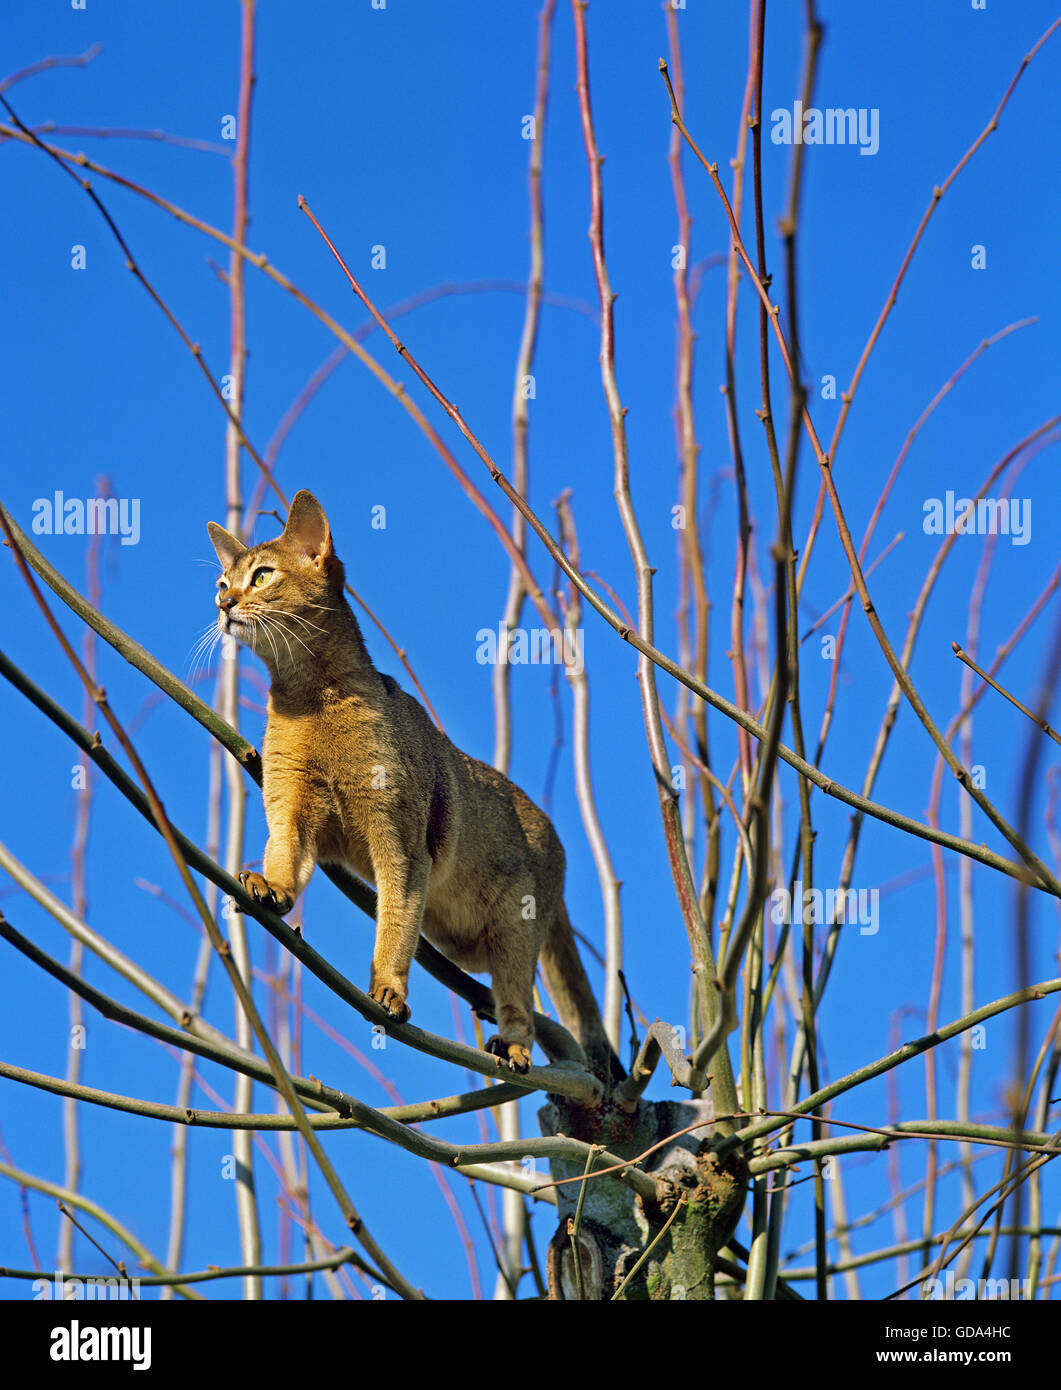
516	1055
392	1000
263	892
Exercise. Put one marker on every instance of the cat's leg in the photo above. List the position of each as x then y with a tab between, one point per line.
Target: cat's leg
401	888
287	867
512	945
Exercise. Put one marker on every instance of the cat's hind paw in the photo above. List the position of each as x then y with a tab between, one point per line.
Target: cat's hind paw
263	892
514	1054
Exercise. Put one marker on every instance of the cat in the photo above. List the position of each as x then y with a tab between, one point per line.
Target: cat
356	773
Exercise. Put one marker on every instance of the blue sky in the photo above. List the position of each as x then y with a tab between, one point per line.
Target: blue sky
402	129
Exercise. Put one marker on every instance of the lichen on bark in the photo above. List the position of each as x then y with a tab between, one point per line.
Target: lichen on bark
615	1228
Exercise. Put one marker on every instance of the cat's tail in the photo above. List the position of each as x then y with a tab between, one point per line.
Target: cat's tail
570	989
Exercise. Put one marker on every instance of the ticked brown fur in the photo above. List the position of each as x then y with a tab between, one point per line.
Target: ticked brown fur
356	773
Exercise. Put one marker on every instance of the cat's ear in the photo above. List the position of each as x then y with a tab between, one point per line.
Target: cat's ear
307	527
228	548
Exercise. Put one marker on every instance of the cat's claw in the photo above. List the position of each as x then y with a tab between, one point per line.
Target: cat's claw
262	891
393	1002
516	1055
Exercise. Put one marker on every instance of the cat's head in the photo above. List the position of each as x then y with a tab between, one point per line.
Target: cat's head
276	597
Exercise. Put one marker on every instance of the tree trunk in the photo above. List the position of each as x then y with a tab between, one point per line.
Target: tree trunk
616	1226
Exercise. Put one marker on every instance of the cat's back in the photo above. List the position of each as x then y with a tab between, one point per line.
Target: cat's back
487	808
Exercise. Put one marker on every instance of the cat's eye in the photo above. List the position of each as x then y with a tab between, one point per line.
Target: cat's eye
261	577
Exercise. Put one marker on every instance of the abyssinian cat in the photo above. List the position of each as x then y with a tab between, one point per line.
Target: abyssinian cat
356	773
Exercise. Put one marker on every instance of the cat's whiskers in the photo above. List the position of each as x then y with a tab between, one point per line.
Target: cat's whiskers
274	617
269	620
286	613
251	621
202	650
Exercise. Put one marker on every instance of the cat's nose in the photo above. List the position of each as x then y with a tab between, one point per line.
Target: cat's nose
226	601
